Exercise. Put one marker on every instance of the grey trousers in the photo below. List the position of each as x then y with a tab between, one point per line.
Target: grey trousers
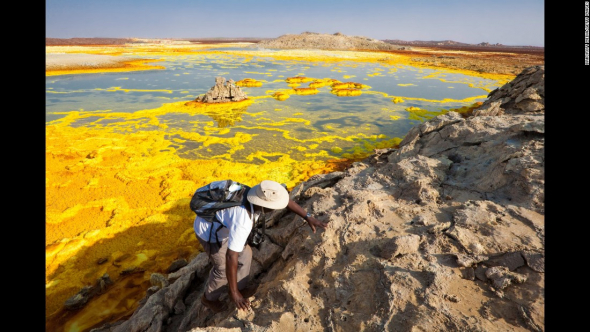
217	282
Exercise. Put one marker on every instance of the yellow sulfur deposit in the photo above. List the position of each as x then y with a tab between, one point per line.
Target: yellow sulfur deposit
336	149
123	66
116	201
347	85
305	91
249	82
319	83
467	110
225	114
347	89
316	85
298	79
280	95
419	114
332	81
360	152
346	92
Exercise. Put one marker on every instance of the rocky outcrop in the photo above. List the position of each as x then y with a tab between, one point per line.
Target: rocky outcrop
222	92
525	94
337	41
445	233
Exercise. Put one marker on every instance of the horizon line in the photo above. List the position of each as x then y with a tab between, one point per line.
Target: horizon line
185	38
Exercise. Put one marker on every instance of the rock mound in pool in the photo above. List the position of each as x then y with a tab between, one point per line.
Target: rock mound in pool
222	92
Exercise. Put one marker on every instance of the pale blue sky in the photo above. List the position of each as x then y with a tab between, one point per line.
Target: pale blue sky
509	22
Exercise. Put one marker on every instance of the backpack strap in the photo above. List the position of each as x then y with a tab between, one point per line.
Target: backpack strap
218	228
214	219
264	226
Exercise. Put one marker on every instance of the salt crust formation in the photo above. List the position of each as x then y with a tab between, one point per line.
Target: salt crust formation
445	233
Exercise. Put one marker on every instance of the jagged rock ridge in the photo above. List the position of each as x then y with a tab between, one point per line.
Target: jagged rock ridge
445	233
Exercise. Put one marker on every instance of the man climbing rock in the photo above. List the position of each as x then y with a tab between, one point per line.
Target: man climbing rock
226	242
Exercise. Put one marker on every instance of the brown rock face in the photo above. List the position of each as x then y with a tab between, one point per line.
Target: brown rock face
223	92
445	233
525	94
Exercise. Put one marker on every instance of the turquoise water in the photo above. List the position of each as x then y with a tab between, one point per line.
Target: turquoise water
309	120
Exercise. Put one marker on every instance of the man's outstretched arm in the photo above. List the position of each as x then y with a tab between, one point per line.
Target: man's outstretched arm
311	220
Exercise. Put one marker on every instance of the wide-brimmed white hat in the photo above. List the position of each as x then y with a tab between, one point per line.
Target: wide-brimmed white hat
269	194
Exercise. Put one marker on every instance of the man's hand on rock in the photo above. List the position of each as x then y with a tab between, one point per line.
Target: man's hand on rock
240	302
313	223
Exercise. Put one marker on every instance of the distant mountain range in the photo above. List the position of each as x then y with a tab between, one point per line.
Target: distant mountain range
423	42
447	43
